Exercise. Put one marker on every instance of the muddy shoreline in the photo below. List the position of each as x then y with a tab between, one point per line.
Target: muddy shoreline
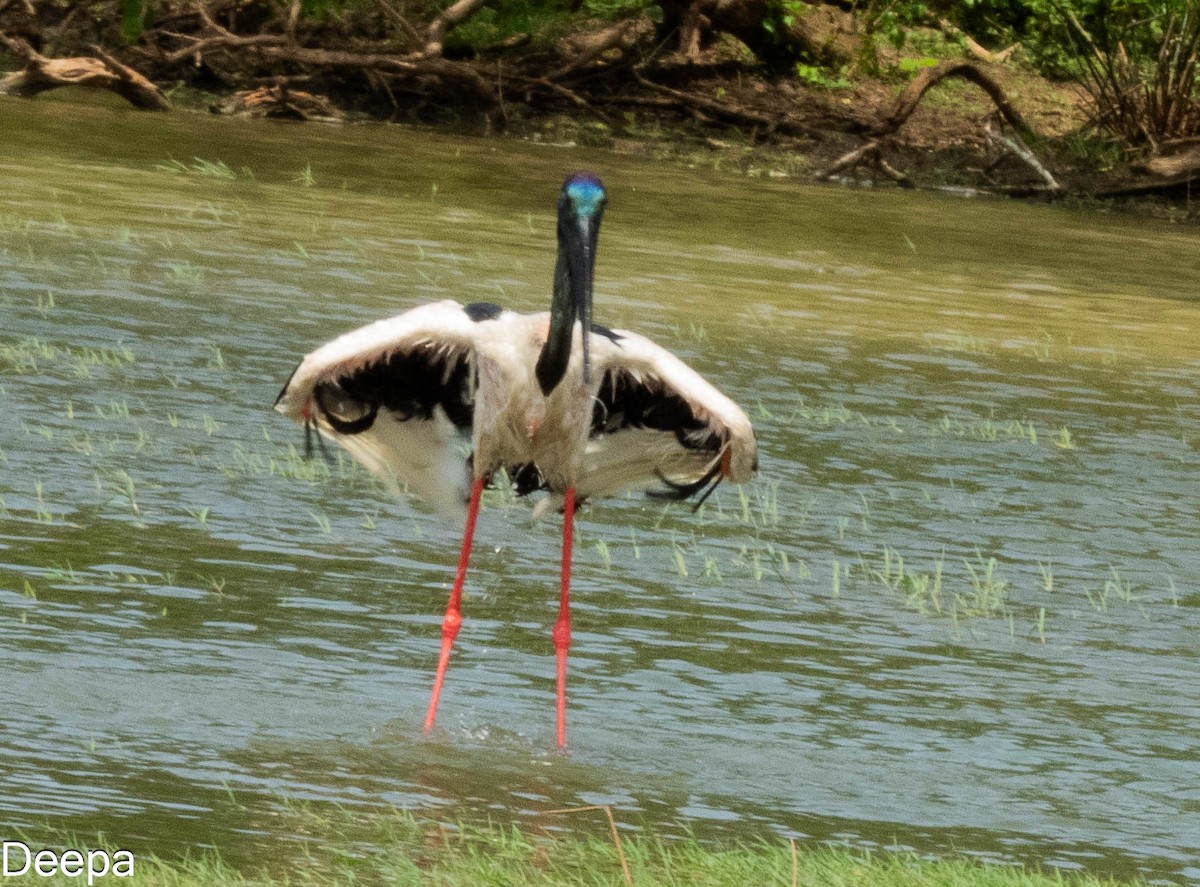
975	128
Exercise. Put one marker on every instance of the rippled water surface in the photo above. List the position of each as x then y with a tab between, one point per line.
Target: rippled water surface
958	610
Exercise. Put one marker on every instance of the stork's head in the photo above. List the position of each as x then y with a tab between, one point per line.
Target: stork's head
580	209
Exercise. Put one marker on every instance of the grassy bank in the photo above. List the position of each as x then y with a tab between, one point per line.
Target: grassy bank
402	850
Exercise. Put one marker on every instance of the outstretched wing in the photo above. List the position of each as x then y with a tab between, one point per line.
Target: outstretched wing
398	394
656	423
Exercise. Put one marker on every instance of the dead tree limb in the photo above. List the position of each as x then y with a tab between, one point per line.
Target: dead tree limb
589	47
280	101
200	45
1020	150
399	18
448	18
894	174
976	49
882	131
283	48
851	159
559	90
42	74
1183	164
293	20
771	122
27	5
930	77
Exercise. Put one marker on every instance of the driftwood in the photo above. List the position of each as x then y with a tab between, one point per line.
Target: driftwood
103	72
1174	173
284	48
880	134
281	102
1175	166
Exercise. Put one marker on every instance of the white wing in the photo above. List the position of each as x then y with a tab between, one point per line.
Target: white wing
398	394
657	422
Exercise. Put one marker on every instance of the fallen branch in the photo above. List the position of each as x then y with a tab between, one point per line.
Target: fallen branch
1020	150
201	45
280	101
27	4
42	74
452	15
398	17
894	174
982	53
930	77
382	62
1175	166
590	47
882	131
851	159
569	94
284	48
771	122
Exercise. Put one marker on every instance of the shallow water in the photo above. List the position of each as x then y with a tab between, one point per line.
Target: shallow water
197	623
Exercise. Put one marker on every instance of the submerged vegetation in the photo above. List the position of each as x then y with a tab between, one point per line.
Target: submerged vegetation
740	536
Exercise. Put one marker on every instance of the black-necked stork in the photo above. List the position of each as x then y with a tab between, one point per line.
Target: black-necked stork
560	403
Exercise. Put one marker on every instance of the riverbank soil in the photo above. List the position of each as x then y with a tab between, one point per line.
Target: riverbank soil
769	88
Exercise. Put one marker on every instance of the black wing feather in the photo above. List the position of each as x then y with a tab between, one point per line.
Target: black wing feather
627	402
409	384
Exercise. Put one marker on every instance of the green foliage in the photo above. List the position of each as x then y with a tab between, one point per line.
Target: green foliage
619	9
1138	59
1144	78
322	9
912	65
408	852
136	16
779	51
892	19
781	15
502	19
1041	26
818	76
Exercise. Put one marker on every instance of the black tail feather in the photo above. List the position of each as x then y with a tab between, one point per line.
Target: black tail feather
527	479
678	492
310	431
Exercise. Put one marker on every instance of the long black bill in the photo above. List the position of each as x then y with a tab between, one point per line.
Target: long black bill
572	301
583	268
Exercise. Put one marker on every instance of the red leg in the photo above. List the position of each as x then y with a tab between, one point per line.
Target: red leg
562	628
453	618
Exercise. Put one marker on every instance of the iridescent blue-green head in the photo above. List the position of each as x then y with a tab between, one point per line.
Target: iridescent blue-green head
580	209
